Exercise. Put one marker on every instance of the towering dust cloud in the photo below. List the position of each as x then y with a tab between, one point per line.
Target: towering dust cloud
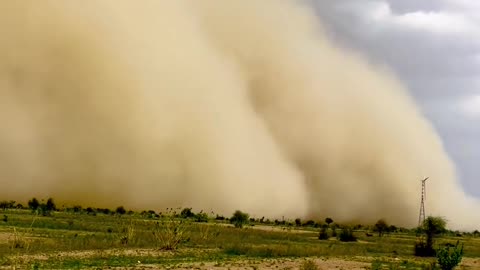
219	105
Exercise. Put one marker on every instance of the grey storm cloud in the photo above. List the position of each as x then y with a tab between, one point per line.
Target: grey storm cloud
433	46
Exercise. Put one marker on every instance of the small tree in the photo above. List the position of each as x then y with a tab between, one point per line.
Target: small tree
432	226
187	213
239	219
328	221
50	206
120	210
33	204
201	217
381	227
298	222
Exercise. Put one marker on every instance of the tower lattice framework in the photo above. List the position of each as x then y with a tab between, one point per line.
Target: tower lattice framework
421	216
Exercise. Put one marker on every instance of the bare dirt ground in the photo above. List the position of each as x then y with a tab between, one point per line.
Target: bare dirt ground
279	264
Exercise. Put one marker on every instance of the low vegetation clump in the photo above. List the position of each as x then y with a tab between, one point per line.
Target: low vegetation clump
346	235
449	257
239	219
323	235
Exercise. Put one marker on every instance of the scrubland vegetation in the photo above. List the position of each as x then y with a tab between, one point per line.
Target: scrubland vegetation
42	235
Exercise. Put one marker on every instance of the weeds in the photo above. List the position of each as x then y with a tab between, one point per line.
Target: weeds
128	234
170	232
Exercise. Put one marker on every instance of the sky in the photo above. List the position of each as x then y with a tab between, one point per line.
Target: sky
433	47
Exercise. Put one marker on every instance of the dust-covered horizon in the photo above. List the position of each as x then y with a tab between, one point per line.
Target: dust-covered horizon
216	105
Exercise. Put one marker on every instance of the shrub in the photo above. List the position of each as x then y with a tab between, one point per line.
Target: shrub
346	235
50	206
381	227
423	250
33	204
323	235
90	211
309	223
328	221
5	218
239	219
120	210
298	222
187	213
449	258
170	232
7	204
201	217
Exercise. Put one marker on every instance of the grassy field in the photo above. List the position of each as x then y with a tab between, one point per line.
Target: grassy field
68	240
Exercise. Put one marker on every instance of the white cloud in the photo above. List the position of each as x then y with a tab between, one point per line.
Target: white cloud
438	22
471	106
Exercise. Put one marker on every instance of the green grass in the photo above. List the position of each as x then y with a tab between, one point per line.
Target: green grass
74	233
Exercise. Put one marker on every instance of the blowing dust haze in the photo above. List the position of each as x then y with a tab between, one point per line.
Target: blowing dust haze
217	105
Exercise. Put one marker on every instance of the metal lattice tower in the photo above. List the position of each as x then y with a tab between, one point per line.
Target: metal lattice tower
421	216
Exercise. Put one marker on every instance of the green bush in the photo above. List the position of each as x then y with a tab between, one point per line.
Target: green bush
120	210
187	213
346	235
201	217
239	219
448	258
33	204
422	249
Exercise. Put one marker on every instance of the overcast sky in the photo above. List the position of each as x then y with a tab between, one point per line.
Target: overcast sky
434	48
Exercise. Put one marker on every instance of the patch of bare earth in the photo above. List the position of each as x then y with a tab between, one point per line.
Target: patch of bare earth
280	264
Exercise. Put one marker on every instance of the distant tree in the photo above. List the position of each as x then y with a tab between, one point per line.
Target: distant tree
4	205
7	204
239	219
298	222
476	233
90	211
328	221
33	204
201	217
77	208
187	213
50	205
381	227
120	210
309	223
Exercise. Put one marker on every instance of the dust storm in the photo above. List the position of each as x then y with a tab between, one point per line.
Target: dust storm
216	105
